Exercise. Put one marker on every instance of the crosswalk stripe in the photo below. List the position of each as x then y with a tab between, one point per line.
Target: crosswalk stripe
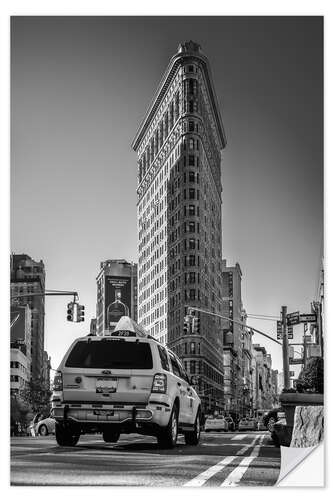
205	475
236	475
238	437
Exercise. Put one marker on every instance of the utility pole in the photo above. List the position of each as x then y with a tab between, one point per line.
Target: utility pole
285	348
304	345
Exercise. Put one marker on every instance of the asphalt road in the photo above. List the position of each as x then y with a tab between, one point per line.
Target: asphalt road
221	459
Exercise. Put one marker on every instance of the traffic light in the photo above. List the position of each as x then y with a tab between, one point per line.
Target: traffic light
195	325
279	329
80	313
70	311
290	332
187	325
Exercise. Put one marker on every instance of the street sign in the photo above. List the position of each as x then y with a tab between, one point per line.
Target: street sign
298	361
307	318
291	351
293	318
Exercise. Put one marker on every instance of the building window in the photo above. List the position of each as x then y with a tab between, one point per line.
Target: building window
191	160
191	210
191	177
191	193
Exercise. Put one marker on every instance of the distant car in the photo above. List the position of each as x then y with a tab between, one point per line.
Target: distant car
42	427
271	417
218	423
231	423
247	424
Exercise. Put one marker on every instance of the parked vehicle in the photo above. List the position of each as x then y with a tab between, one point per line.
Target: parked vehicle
270	417
45	426
122	383
41	426
217	423
247	424
231	424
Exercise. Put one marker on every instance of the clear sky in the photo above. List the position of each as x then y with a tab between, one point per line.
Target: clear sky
79	89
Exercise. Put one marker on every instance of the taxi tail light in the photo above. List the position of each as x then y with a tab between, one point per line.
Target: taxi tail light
57	382
159	383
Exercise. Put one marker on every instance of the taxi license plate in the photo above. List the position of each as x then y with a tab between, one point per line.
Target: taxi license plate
104	413
106	385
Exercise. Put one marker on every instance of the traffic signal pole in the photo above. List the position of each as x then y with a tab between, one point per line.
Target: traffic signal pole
44	294
190	308
75	311
285	349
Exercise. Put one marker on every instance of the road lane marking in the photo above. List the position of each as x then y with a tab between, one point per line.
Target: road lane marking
205	475
236	475
247	446
208	473
238	437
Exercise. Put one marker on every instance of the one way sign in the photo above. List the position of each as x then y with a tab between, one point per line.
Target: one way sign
308	318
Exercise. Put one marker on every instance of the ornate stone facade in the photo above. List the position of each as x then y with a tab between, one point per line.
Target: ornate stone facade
179	193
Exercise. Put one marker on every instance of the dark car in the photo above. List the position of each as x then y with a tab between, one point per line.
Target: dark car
271	417
231	424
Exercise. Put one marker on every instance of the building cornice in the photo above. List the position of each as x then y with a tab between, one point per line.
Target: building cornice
170	72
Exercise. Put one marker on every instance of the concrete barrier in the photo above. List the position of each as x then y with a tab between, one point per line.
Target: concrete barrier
308	427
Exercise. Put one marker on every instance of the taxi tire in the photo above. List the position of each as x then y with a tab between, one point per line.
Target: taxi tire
64	435
193	437
111	436
165	437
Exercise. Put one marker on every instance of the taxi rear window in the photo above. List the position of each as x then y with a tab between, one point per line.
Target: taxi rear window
111	354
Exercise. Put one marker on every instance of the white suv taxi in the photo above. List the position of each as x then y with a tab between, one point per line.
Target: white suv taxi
122	383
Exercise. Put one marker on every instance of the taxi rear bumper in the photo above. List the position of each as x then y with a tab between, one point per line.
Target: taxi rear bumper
130	415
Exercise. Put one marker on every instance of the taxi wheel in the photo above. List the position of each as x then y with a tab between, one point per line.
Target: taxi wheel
111	436
193	437
65	436
167	438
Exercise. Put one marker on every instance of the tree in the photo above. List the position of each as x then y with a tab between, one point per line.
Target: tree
37	396
311	378
20	411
